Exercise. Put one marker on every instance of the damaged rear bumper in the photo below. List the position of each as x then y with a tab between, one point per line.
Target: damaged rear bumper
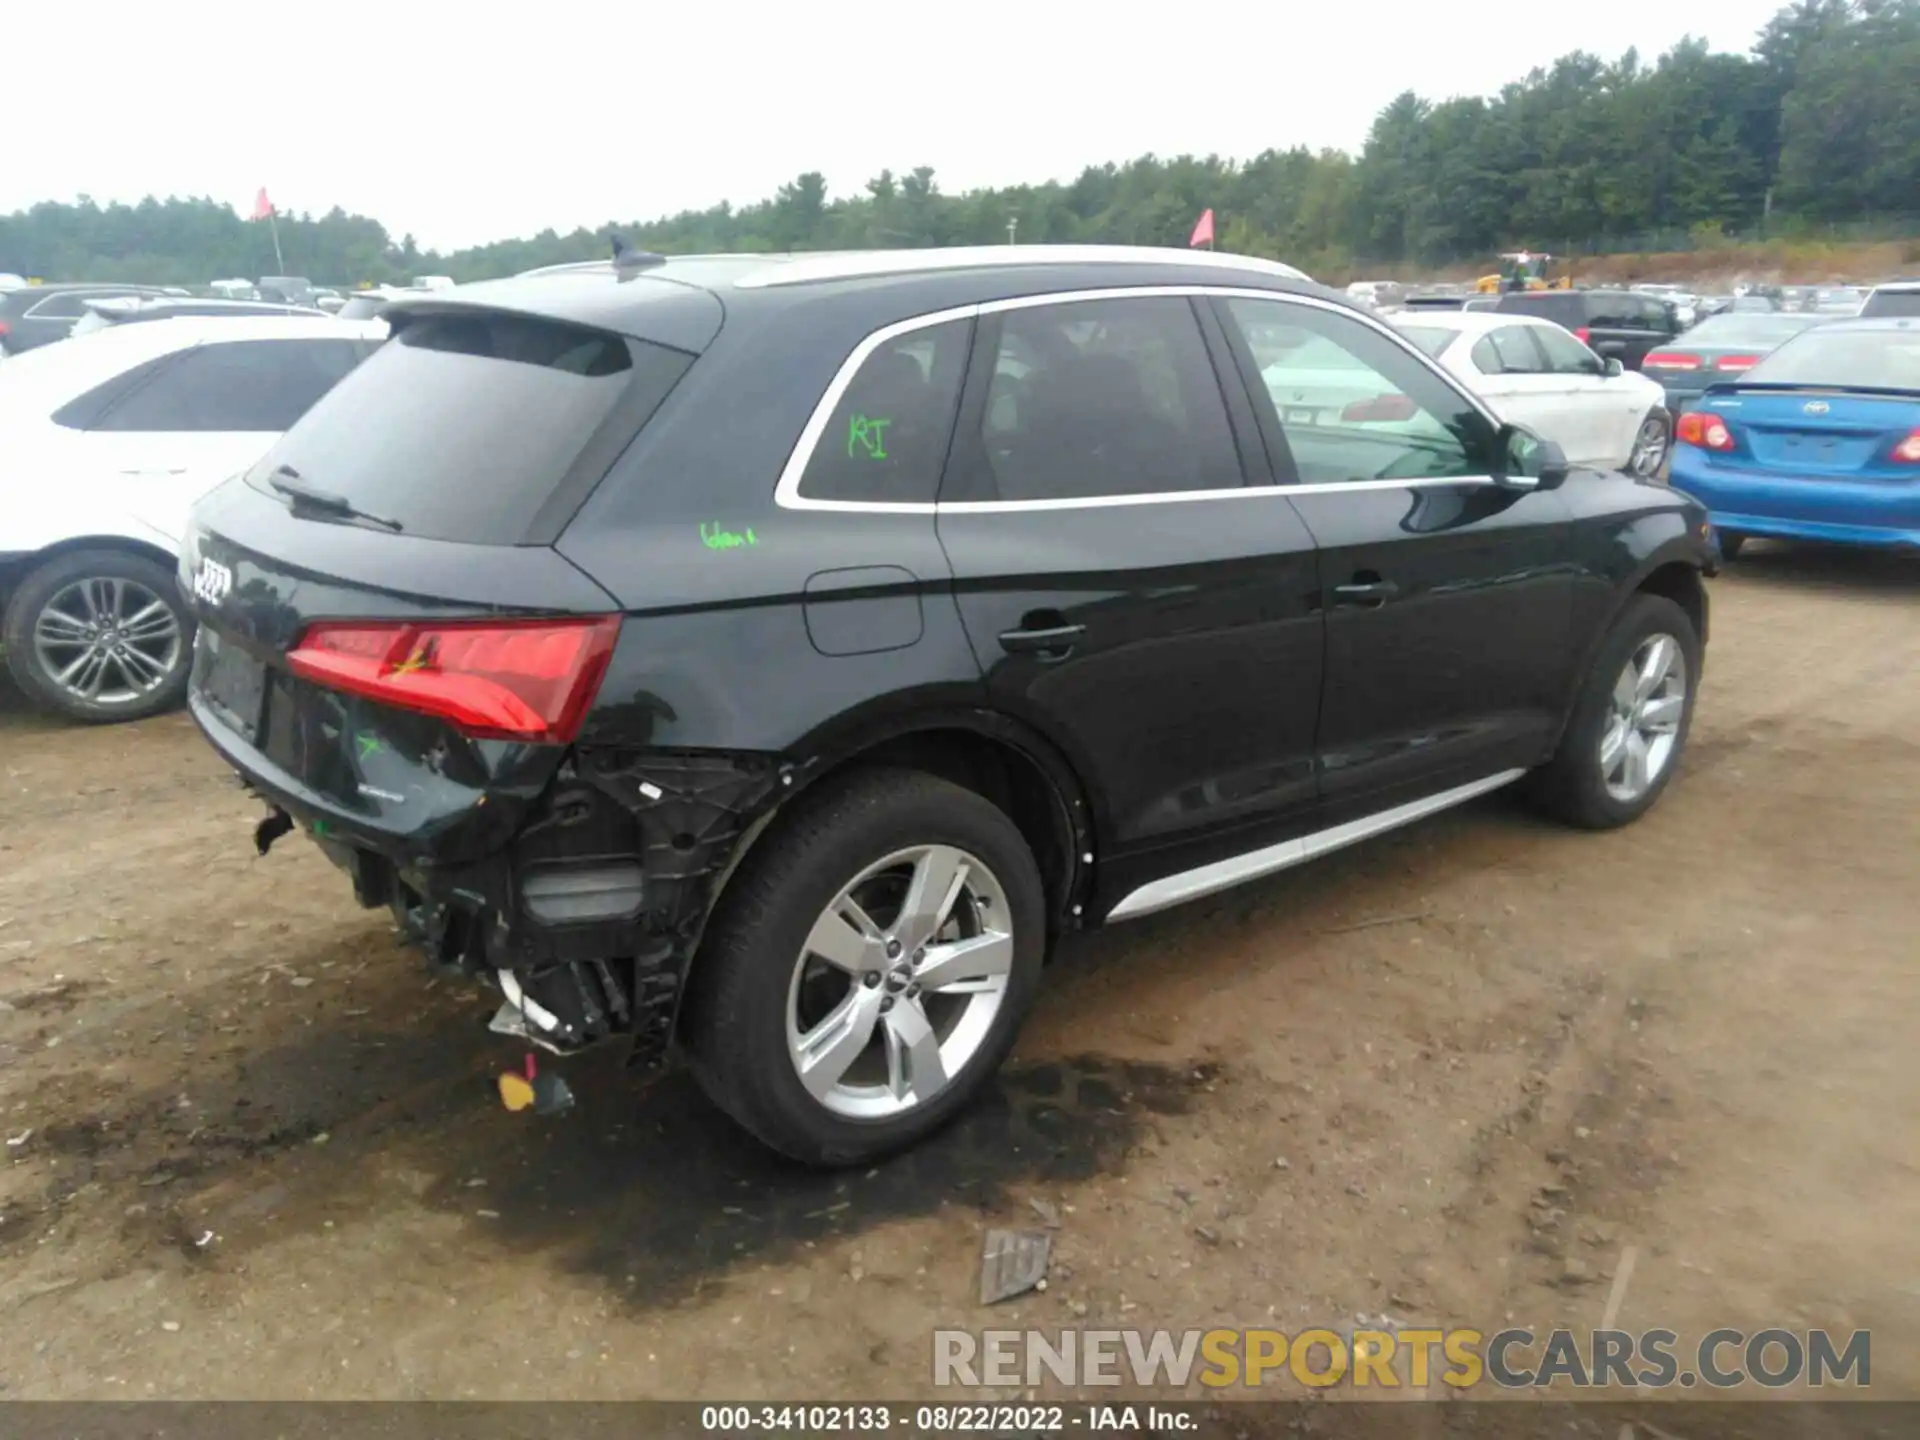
585	914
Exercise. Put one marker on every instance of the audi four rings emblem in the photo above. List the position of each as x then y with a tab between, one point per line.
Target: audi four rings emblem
212	581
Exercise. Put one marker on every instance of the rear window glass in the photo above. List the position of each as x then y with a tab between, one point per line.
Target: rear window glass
1429	338
362	307
1902	303
1871	359
1561	308
1755	330
462	426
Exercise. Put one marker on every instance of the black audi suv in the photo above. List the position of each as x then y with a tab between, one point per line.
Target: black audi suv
764	659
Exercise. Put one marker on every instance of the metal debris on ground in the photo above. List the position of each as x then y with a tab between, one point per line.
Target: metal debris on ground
1012	1262
1048	1212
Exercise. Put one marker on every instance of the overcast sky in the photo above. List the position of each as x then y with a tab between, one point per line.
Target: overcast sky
479	122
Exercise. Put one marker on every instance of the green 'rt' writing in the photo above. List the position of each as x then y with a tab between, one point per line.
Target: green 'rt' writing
868	435
715	538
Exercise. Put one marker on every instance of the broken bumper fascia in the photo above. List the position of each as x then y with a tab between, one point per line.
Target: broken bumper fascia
587	920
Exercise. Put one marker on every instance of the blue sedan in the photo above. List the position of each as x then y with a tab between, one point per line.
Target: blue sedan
1819	441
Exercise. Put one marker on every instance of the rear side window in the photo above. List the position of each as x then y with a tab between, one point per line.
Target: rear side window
887	438
249	386
64	305
83	412
1899	303
1100	398
461	427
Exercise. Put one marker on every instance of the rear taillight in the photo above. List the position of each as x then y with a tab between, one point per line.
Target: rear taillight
1583	335
494	680
3	328
1738	362
1381	409
1907	452
1670	360
1703	431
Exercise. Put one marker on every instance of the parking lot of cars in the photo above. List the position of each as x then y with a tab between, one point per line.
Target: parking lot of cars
1082	585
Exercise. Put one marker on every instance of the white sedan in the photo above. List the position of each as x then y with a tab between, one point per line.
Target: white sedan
1536	374
105	443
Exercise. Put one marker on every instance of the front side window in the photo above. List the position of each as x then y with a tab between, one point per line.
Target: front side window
887	439
1099	399
1508	351
1352	404
250	386
1566	355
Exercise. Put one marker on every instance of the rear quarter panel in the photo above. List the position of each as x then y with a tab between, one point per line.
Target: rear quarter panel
750	626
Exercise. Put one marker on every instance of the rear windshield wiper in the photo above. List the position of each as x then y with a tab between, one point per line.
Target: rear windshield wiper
287	481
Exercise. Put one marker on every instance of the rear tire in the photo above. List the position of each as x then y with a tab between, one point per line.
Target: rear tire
1731	543
1635	709
767	1003
100	636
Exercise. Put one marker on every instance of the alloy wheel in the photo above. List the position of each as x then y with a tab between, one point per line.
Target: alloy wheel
104	640
1643	717
899	982
1649	448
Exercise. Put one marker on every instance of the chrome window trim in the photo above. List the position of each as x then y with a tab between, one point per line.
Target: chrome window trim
787	496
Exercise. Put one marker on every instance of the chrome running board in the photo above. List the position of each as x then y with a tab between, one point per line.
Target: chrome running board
1225	874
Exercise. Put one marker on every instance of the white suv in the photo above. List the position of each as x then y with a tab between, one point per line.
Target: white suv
105	443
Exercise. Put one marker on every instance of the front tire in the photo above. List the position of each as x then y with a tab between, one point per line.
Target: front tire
100	636
1629	727
1652	443
868	968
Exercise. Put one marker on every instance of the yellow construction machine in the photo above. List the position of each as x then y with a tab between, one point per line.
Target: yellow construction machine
1524	270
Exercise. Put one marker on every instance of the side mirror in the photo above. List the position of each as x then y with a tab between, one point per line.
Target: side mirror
1612	367
1528	462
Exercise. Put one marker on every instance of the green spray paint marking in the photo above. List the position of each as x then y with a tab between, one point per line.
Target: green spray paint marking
369	745
320	827
868	435
715	538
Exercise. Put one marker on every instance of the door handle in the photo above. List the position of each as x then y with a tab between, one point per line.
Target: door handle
1053	641
1370	594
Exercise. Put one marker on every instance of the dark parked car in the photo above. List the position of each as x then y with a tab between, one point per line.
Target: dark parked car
1614	324
40	314
1720	348
768	659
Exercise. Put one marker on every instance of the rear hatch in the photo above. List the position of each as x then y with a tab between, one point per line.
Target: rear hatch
389	644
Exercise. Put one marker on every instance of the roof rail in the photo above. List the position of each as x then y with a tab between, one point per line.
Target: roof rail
862	264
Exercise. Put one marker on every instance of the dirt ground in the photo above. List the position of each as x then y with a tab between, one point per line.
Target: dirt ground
1452	1076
